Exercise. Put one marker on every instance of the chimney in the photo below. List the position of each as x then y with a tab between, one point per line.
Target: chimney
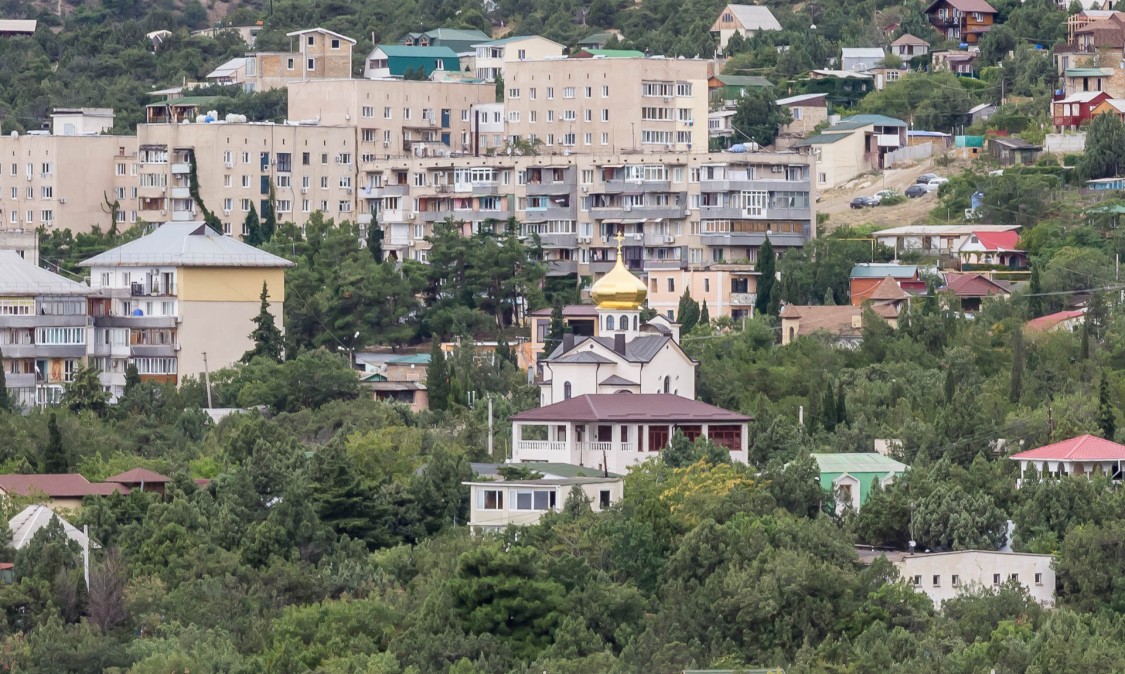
568	341
619	343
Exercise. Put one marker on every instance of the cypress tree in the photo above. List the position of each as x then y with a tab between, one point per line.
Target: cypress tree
1035	299
766	267
828	408
1106	418
5	399
704	315
841	404
687	314
132	378
253	227
1018	358
54	454
437	377
555	331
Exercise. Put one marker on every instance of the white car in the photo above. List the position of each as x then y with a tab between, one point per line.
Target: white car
934	184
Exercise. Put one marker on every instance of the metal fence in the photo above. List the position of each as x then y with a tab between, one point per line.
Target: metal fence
908	153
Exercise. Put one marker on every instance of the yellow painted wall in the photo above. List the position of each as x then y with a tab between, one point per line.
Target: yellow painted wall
226	284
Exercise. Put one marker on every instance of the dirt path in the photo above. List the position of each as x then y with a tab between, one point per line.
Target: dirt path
837	202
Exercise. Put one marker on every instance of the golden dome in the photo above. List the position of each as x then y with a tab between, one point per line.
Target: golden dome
619	289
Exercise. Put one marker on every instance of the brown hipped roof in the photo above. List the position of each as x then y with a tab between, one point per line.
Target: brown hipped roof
888	290
58	485
836	320
632	407
964	6
908	39
139	475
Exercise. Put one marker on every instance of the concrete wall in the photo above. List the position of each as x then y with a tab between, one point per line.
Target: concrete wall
198	334
1065	142
978	568
508	515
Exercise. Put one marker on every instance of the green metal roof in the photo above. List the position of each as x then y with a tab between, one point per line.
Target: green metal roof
1088	72
596	38
616	53
857	121
822	139
414	359
857	462
402	50
744	81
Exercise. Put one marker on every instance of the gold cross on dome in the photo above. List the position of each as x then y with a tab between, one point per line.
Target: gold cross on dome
620	238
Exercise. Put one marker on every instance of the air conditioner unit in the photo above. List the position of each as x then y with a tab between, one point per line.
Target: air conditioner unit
585	189
163	212
411	215
226	211
776	169
667	99
349	190
230	164
29	178
638	236
628	207
304	190
386	143
62	200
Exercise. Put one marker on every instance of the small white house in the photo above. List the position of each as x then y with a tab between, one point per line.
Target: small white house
497	505
861	59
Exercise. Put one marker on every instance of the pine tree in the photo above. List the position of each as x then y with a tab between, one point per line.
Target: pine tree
555	330
437	377
766	267
5	399
704	315
687	314
1035	299
829	298
253	227
1084	354
54	458
266	335
1106	418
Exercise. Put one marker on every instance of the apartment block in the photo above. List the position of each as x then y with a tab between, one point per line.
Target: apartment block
43	330
303	168
67	181
392	118
602	106
492	58
677	211
177	301
317	54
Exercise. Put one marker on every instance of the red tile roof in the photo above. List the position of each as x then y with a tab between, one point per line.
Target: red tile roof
1082	448
64	485
1050	321
888	290
139	475
999	241
636	407
974	285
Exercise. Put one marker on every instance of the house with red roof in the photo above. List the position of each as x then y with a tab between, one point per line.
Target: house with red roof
612	431
1062	320
970	290
58	491
961	20
141	479
1086	455
992	248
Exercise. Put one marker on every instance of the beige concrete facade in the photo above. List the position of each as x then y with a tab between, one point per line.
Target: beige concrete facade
64	182
944	575
308	169
729	289
492	58
393	118
497	505
588	106
317	54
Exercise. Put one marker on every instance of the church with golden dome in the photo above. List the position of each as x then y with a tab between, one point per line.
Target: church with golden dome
626	356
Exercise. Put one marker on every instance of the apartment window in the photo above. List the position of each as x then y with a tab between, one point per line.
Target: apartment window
587	176
605	138
605	114
290	64
490	499
283	181
335	43
306	159
244	204
323	182
312	40
513	93
155	365
324	159
387	114
1014	576
683	88
60	336
345	182
311	64
589	92
406	113
671	285
246	182
245	157
995	579
706	285
550	115
284	205
588	115
568	92
344	158
521	54
228	180
532	93
569	116
605	91
48	217
539	499
1038	579
588	139
531	116
47	192
228	204
955	580
550	93
305	205
345	206
120	169
569	138
30	192
305	182
323	206
514	116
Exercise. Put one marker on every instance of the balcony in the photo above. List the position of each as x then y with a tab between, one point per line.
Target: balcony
44	350
751	239
393	216
550	189
635	186
183	168
558	240
151	192
183	216
181	192
723	213
117	350
152	350
40	321
743	299
395	190
135	322
556	450
666	263
562	267
659	239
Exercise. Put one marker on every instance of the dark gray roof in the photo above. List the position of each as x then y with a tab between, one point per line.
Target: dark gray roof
640	349
581	357
617	380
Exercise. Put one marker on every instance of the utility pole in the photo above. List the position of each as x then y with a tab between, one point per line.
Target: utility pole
207	380
490	427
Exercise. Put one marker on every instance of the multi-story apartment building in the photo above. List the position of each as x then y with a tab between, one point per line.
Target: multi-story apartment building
302	168
608	105
677	210
491	58
43	329
393	118
67	181
320	54
159	299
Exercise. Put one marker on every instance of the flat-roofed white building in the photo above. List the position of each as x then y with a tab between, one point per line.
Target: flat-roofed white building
499	504
941	576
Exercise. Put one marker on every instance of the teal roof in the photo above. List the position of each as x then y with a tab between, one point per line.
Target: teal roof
415	359
1088	72
744	81
884	270
596	38
374	376
857	462
616	53
404	51
857	121
822	139
507	40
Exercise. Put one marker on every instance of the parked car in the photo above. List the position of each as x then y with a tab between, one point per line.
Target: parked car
997	172
883	194
915	191
925	178
934	184
865	202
